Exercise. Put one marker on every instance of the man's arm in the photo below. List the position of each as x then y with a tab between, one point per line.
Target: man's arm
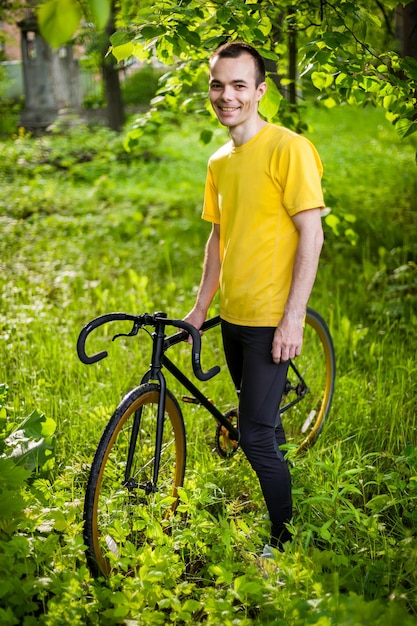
209	280
288	336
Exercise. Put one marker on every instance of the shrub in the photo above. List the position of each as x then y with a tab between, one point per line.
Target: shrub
140	87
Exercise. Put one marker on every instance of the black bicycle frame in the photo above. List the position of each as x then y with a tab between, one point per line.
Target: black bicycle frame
159	360
161	343
200	397
301	390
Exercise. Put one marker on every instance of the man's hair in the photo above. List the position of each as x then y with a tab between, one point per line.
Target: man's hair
234	49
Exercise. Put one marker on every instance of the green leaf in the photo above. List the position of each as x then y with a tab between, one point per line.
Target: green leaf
334	223
344	80
11	477
58	21
349	217
191	606
371	84
223	15
150	31
265	25
409	65
329	103
120	37
372	18
59	519
123	52
12	501
351	236
378	503
335	39
101	12
206	136
405	127
271	101
323	56
244	585
190	36
269	54
32	443
321	80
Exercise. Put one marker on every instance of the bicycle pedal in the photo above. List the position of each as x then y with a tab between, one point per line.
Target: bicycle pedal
190	400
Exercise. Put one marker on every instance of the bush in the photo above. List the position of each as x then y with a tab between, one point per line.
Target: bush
9	115
86	229
140	87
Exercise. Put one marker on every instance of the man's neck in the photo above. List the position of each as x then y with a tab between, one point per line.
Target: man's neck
243	133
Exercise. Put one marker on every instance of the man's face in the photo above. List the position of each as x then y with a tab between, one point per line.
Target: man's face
233	93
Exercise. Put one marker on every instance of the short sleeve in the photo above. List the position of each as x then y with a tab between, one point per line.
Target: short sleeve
211	211
299	173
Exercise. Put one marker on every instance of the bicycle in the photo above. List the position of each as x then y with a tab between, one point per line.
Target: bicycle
140	460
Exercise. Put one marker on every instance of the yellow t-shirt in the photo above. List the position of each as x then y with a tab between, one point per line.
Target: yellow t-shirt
252	191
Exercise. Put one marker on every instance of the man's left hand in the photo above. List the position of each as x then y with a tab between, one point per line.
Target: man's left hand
288	339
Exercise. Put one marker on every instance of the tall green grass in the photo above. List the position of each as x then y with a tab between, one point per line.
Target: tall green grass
87	229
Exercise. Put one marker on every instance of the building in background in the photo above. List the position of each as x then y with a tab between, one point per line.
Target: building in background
50	77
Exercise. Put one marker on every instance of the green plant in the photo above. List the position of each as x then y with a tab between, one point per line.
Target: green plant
9	115
140	85
87	228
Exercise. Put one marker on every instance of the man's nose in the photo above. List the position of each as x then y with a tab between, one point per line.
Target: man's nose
228	92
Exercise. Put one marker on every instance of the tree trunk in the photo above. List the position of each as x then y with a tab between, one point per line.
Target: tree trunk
290	91
112	89
292	66
406	29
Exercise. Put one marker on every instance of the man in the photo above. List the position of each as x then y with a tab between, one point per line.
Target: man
263	197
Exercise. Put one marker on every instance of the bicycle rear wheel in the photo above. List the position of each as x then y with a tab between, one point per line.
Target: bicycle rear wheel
120	506
310	385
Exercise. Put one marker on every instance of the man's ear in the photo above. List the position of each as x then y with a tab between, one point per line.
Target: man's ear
262	87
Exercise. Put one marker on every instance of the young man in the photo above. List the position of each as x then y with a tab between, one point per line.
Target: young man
263	197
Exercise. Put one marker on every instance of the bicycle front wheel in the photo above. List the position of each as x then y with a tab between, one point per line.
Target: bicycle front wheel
310	385
121	505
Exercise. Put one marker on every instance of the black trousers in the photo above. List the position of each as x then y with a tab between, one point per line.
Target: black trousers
260	383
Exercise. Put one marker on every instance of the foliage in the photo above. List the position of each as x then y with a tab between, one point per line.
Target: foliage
9	9
9	116
27	452
87	228
3	80
341	50
140	86
31	443
59	20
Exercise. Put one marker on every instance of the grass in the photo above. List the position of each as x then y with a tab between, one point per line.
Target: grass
87	229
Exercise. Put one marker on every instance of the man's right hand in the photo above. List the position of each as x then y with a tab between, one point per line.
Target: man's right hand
196	317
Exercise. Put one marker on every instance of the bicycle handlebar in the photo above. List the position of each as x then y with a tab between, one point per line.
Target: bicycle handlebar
138	322
183	335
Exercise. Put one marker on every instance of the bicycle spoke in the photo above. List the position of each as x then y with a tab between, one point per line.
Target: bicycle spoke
119	506
309	388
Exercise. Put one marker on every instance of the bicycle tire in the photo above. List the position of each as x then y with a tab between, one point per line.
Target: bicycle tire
118	515
304	420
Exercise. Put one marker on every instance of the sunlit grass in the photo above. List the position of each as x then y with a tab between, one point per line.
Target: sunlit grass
128	236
